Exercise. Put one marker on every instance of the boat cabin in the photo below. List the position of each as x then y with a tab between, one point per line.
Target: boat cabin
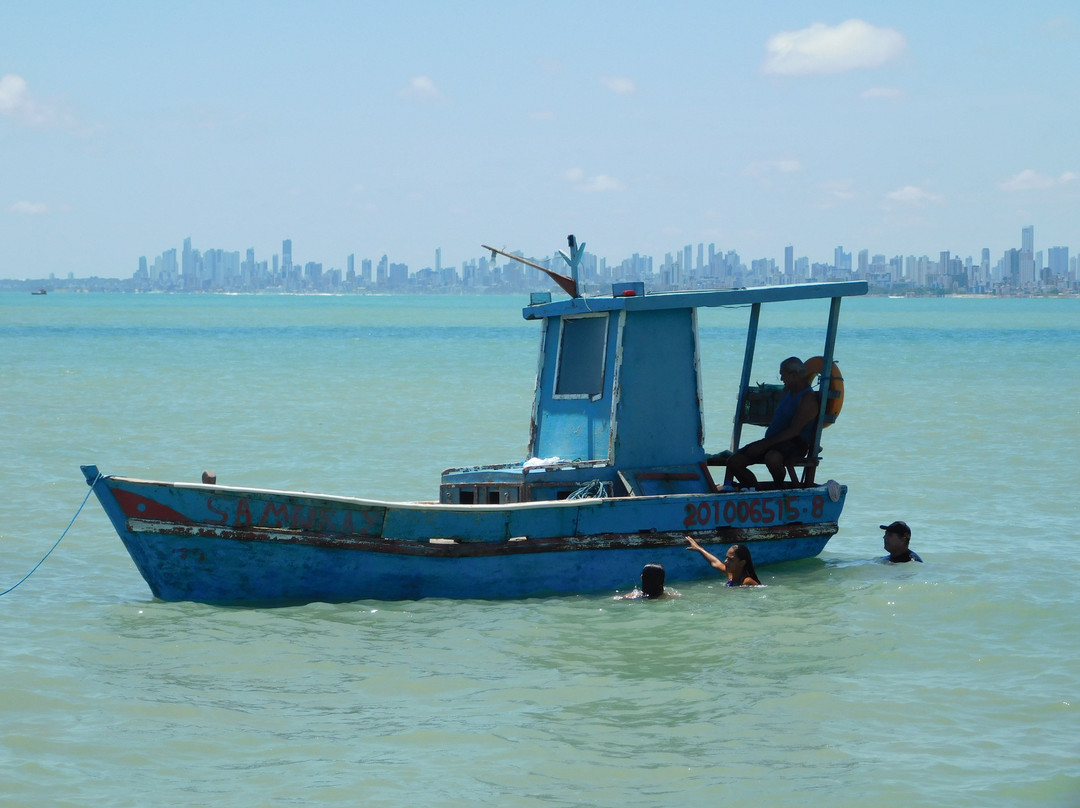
618	404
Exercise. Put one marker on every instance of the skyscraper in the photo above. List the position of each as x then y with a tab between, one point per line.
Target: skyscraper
187	266
286	254
1012	268
1058	261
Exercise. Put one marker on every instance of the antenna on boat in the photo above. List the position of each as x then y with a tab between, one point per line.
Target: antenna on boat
568	285
573	260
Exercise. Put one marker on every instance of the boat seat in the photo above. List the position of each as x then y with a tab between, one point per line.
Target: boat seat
807	464
809	469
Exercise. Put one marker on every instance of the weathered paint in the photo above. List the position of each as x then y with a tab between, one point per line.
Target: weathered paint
245	546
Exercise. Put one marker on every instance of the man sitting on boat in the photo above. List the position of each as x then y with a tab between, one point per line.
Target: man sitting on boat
788	436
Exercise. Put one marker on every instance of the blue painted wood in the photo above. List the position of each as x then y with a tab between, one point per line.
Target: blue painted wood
574	426
658	408
233	545
289	574
707	298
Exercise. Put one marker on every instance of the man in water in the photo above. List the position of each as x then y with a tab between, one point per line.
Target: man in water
787	438
897	536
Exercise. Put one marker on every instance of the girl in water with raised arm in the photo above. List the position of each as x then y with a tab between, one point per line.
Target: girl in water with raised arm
737	565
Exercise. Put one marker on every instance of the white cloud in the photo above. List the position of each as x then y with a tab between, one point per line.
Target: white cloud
599	183
17	102
1060	27
780	166
835	193
620	85
1029	180
422	88
912	195
13	94
882	92
28	208
840	190
851	45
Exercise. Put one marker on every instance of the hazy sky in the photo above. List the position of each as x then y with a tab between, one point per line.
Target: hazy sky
399	127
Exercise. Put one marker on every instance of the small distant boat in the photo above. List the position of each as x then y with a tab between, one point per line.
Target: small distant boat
40	292
617	475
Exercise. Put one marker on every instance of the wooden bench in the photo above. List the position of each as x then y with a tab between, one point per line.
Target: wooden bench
807	464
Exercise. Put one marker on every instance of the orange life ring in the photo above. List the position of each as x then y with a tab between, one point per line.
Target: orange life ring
835	399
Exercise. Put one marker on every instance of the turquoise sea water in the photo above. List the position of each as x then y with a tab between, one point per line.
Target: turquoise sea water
843	682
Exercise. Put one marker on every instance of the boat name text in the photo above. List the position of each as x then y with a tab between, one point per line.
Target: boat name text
756	511
247	513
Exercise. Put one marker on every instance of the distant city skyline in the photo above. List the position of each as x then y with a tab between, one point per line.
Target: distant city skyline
1019	270
908	128
1018	266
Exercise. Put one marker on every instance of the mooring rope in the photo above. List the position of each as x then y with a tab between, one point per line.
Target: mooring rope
66	529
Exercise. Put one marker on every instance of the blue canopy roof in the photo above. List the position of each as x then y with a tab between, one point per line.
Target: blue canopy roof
696	299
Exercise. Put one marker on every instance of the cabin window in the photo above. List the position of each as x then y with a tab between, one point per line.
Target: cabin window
582	348
465	496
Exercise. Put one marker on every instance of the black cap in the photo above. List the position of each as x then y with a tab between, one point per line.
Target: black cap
897	527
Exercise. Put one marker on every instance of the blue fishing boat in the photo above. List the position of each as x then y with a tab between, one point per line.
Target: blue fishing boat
617	475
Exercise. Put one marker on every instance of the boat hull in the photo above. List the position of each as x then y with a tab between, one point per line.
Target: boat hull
238	546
